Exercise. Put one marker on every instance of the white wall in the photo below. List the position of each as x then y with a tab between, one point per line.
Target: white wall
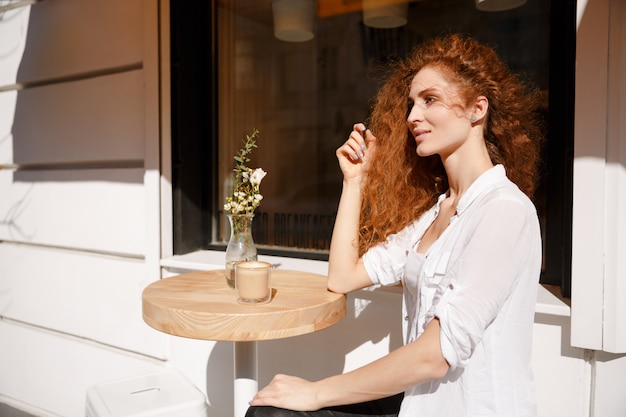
79	87
79	198
599	215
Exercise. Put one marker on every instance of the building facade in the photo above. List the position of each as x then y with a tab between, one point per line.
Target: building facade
86	222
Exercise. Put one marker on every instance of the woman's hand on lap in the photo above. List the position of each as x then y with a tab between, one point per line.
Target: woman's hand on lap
288	392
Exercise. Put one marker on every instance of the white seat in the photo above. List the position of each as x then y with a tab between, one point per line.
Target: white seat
162	394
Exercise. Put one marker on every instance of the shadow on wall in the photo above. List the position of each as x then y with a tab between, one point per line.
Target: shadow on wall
77	115
565	326
370	330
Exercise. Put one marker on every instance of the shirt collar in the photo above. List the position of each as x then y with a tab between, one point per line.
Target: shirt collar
486	180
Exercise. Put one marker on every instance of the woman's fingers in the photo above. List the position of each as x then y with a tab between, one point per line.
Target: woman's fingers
351	149
355	151
361	137
370	139
355	147
287	392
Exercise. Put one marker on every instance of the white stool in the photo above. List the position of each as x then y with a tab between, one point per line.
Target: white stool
161	394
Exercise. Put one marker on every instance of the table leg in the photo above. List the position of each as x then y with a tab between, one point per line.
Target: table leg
246	376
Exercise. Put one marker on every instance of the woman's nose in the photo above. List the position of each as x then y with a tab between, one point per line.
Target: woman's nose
415	114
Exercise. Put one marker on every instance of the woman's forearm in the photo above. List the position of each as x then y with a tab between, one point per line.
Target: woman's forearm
410	365
345	269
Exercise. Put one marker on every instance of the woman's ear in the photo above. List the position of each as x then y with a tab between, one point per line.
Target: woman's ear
480	109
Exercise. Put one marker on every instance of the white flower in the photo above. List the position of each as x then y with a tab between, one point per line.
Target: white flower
245	197
257	176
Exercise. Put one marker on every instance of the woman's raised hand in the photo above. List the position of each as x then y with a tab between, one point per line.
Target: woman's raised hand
356	151
345	269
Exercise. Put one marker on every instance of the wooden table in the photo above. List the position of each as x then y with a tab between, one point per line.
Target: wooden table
200	305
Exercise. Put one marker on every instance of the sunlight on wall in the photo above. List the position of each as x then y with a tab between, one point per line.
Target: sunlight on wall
12	43
13	32
581	5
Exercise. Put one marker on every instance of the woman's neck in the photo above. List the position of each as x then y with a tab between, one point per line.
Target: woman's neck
463	170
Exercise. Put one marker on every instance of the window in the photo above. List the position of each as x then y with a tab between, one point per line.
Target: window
230	75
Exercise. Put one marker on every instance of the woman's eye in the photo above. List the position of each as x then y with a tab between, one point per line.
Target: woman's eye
422	102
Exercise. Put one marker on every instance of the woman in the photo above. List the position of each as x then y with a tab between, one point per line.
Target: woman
445	210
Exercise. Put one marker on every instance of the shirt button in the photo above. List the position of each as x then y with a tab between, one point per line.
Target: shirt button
406	318
451	286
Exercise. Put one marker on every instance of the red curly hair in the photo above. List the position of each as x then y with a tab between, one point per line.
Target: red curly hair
401	185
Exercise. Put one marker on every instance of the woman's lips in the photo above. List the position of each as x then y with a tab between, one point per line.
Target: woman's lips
419	134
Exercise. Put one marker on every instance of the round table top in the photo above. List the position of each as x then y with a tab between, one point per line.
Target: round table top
200	305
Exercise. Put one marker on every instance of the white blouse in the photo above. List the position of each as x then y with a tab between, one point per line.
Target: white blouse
480	280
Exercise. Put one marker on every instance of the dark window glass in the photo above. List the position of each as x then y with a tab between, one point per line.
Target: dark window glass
231	74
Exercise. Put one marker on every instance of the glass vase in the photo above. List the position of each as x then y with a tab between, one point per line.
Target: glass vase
241	246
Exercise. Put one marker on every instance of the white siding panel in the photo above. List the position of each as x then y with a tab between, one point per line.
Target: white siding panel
588	214
13	30
610	375
615	263
96	119
77	36
7	111
96	210
562	377
89	296
52	372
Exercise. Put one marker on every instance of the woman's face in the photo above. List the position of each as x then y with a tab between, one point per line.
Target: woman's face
436	116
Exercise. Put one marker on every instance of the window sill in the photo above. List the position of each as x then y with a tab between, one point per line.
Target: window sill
548	298
209	259
550	301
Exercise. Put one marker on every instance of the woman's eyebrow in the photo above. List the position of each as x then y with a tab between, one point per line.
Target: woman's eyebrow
425	92
429	91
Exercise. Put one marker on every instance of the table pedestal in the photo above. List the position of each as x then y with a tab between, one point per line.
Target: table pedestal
246	376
